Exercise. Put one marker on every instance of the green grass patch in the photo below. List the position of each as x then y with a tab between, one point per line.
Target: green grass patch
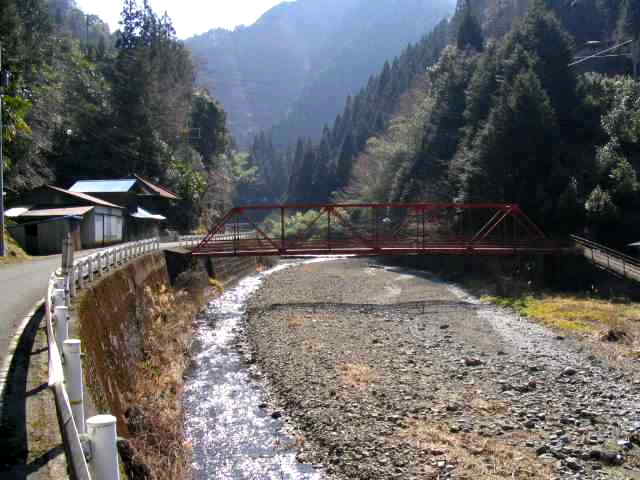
581	315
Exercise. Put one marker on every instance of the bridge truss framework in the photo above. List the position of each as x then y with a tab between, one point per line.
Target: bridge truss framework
376	229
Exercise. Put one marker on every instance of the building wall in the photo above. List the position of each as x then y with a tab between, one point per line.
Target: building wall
102	226
48	239
50	236
18	233
137	229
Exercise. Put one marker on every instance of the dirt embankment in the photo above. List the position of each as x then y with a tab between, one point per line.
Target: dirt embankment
391	374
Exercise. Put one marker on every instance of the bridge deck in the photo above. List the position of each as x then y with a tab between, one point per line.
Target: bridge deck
608	259
376	229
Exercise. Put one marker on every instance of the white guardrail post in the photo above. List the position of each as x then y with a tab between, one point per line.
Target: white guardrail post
90	265
66	379
73	381
61	314
101	430
73	275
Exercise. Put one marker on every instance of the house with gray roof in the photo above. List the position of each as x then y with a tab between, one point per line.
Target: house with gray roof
146	203
44	215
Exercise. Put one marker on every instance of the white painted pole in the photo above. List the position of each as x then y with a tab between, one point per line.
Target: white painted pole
73	381
82	266
73	274
58	283
90	268
62	325
67	288
59	295
102	434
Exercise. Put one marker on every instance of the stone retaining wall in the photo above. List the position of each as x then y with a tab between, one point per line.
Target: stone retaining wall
112	320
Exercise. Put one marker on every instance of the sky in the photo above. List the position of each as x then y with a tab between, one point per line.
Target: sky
190	17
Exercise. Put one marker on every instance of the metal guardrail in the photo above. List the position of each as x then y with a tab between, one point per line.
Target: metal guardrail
613	260
190	240
65	371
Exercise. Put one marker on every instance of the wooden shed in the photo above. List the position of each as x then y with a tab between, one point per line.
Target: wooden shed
44	217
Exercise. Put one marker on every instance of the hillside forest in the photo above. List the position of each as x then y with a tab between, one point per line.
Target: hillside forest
291	71
487	107
86	103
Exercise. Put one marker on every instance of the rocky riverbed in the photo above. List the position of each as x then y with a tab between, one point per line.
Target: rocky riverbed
392	374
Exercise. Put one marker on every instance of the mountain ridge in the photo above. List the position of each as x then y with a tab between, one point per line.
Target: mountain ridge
261	73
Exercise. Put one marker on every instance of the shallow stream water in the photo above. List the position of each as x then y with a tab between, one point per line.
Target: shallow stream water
234	436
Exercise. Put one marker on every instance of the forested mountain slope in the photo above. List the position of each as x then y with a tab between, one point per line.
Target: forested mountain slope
85	103
298	62
500	116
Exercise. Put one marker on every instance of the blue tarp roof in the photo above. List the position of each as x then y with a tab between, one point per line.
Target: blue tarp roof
102	186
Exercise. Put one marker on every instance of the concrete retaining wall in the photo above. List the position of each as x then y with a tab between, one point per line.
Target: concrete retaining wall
113	320
112	324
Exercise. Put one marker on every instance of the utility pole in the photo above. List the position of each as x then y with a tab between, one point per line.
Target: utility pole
635	56
86	37
3	248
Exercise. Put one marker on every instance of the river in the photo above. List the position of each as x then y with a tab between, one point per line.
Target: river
234	437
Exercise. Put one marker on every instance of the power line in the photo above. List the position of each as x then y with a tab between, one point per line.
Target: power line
596	55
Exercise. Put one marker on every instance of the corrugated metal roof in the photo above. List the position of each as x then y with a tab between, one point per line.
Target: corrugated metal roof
162	191
57	212
103	186
85	197
15	211
142	214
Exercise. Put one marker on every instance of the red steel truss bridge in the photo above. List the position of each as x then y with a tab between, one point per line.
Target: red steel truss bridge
376	229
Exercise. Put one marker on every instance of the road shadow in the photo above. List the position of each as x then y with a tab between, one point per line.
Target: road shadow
14	448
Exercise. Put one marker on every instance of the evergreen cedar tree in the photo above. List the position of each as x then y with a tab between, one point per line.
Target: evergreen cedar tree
84	103
454	117
506	120
469	31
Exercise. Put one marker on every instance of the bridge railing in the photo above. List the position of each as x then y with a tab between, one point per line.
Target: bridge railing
90	446
189	241
192	241
613	260
375	229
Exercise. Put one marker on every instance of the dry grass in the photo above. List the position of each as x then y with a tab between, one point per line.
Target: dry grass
15	253
486	408
159	441
475	457
312	346
216	284
296	443
357	375
310	268
295	321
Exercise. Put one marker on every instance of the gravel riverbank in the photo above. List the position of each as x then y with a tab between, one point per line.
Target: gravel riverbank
391	374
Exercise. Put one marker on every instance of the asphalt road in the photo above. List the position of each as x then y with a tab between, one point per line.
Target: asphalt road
21	286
